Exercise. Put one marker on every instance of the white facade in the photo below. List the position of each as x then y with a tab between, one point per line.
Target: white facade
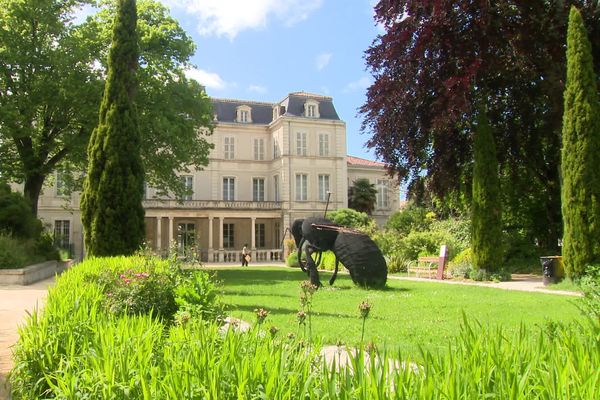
271	164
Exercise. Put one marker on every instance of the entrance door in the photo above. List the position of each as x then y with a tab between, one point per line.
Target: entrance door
186	239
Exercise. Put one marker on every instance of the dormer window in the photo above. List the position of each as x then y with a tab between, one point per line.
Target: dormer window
244	114
311	109
275	112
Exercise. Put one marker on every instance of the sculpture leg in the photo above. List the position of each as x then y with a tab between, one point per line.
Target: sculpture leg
302	266
312	268
335	271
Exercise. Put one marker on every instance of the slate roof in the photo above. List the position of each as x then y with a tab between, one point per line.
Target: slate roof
262	113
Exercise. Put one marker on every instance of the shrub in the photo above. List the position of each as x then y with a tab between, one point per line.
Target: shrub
292	260
140	291
454	233
16	216
411	219
353	219
13	253
19	253
197	296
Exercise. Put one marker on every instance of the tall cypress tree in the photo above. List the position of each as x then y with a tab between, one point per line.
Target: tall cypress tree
111	203
580	167
486	219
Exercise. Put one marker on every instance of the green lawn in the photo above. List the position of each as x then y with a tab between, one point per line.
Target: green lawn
405	315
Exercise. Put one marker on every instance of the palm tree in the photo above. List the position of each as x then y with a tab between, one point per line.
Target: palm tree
362	196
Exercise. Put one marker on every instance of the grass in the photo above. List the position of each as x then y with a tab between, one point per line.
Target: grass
404	316
78	349
566	284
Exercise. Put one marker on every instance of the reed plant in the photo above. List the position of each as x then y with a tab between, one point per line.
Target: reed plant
75	349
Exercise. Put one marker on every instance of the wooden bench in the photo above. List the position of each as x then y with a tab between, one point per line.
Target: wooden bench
430	265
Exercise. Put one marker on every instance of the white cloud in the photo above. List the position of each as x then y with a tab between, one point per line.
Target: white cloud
323	60
257	89
230	17
360	84
209	79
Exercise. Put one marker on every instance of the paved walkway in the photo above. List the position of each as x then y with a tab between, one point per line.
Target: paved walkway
16	301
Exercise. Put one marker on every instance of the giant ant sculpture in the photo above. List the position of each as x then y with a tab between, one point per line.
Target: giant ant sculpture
357	252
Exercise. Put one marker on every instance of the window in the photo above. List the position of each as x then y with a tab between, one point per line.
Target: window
258	189
323	187
244	114
276	188
382	193
311	109
186	238
301	143
228	236
229	148
61	186
229	189
62	234
259	149
323	144
259	235
276	152
188	182
301	187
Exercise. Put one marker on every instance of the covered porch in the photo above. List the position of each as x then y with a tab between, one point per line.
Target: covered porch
216	235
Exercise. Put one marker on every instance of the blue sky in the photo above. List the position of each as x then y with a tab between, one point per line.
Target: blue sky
264	49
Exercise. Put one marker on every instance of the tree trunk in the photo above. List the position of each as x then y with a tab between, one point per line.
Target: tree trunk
32	190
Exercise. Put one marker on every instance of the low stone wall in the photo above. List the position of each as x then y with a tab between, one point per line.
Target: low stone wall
33	273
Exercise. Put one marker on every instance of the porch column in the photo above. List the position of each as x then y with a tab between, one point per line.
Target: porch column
220	233
210	233
253	233
210	239
170	231
221	254
158	233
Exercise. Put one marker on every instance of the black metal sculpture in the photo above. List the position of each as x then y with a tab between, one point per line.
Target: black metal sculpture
357	252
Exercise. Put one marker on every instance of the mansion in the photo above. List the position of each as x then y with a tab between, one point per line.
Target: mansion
271	164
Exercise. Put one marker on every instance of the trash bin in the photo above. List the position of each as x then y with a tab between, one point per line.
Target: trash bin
552	269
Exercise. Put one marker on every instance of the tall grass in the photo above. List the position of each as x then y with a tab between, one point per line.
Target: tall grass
75	349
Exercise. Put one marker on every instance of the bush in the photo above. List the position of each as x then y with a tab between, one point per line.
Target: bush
19	253
197	297
13	253
16	217
410	219
353	219
292	260
454	233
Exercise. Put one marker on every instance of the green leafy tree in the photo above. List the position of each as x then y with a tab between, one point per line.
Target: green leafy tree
486	219
52	72
581	146
431	65
362	196
111	203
